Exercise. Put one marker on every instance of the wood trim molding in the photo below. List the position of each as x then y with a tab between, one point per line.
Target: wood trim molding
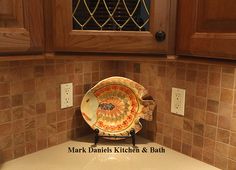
172	26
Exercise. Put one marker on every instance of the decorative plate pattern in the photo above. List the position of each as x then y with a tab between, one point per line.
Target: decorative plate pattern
115	105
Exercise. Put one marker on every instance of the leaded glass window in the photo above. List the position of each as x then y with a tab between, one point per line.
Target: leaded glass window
118	15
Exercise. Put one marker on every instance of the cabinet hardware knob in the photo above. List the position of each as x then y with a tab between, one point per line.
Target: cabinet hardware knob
160	36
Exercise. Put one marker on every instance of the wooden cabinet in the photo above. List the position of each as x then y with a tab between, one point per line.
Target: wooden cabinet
21	26
207	28
128	26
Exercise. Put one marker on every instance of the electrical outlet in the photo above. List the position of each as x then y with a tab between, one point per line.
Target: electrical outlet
66	95
178	101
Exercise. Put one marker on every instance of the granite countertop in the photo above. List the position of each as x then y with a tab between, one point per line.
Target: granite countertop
113	155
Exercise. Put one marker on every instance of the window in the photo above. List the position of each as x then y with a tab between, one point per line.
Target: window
117	15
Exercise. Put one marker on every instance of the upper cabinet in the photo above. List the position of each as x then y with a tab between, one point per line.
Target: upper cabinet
207	28
121	26
21	26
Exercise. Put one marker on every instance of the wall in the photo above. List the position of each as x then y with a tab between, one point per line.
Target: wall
30	114
207	132
31	118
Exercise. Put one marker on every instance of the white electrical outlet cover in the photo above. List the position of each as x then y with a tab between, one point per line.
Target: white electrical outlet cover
178	101
66	95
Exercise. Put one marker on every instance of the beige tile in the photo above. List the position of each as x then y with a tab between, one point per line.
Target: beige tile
159	138
176	145
189	112
17	100
6	142
198	128
201	90
30	135
209	144
19	151
233	124
222	149
30	148
228	70
52	140
202	77
186	149
41	144
40	108
227	81
5	116
231	164
5	129
221	162
41	121
16	87
234	111
225	109
61	126
211	119
199	115
191	75
200	103
198	141
30	123
187	138
7	155
167	141
188	125
162	71
213	93
223	136
29	85
232	153
17	113
208	157
61	115
203	66
212	106
197	153
177	134
167	130
4	89
215	68
224	122
226	96
233	139
4	103
214	79
210	132
19	138
38	71
62	137
159	128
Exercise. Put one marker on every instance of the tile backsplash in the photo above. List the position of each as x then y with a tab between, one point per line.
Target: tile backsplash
31	118
207	131
30	114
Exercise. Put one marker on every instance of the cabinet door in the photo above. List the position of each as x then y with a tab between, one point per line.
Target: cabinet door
207	28
123	26
21	26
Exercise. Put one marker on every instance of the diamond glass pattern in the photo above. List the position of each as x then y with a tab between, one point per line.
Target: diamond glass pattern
119	15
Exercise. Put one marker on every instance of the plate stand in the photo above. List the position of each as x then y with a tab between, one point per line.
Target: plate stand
96	137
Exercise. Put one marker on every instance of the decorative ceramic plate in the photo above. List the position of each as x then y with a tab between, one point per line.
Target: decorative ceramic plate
115	105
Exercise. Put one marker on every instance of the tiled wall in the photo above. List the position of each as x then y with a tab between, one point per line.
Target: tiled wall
207	132
30	114
31	118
